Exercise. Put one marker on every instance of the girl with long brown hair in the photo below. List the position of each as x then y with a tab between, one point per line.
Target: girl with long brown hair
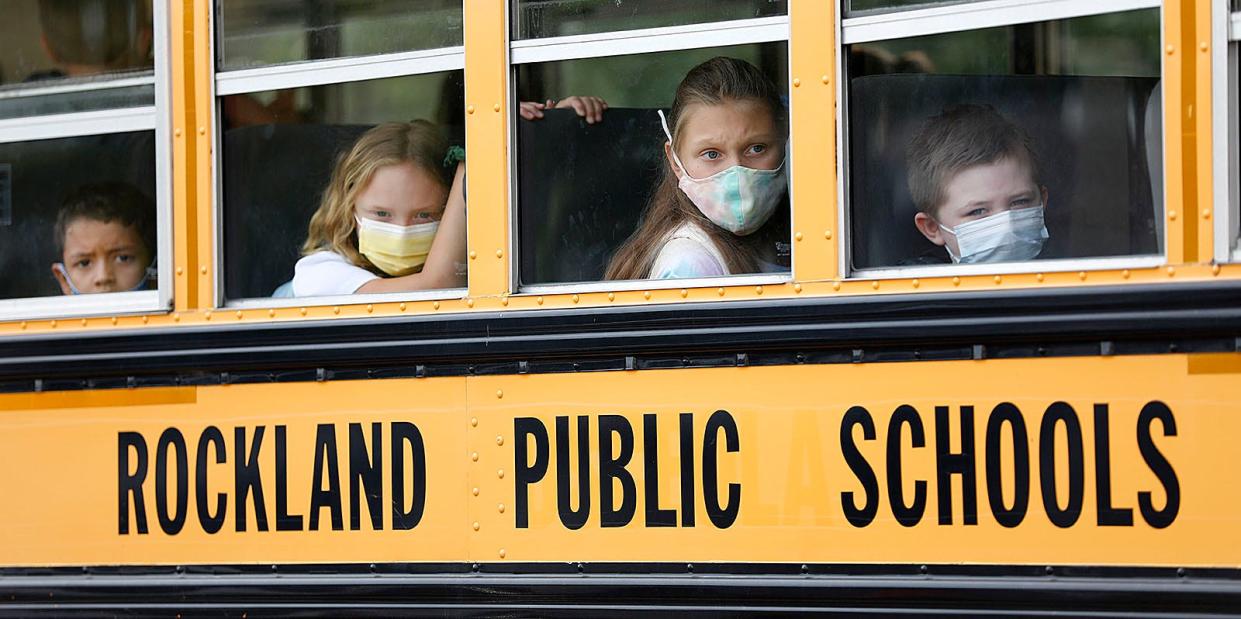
711	213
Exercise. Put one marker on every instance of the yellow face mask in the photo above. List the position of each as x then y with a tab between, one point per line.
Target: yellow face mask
396	250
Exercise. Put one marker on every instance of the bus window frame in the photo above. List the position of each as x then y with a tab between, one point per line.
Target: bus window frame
965	17
705	35
302	74
156	118
1226	121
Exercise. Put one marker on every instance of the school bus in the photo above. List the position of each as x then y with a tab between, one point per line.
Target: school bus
868	428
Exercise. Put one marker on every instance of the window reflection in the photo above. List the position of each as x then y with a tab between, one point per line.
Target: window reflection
536	19
1057	123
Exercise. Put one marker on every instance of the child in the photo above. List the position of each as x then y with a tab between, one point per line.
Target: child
106	236
392	218
711	213
974	178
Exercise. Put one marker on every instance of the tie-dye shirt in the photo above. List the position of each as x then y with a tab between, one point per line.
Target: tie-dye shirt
688	252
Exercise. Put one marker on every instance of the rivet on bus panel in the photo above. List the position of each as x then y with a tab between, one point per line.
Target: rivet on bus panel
611	296
836	285
1172	215
647	294
207	315
336	309
576	298
539	300
797	236
720	291
1171	49
1206	213
434	305
469	109
504	301
825	78
1203	46
915	283
202	131
238	314
796	287
303	311
758	290
175	318
474	456
500	473
180	270
271	313
477	526
502	553
177	132
500	507
500	441
684	293
956	281
998	280
469	302
474	491
1214	271
474	421
1125	273
496	107
370	308
114	319
1039	277
827	234
23	325
499	393
1081	275
796	82
874	285
499	253
203	270
402	307
83	322
1171	271
473	254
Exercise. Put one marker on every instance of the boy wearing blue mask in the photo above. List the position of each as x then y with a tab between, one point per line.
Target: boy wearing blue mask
106	236
974	178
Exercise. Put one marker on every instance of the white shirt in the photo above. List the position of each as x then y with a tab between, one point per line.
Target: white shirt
326	273
688	252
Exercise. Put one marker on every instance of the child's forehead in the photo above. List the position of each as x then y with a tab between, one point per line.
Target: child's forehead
1010	169
86	230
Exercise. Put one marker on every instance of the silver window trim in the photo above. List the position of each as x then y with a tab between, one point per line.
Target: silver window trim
338	71
1226	153
647	40
975	16
1012	268
629	285
157	118
76	86
439	294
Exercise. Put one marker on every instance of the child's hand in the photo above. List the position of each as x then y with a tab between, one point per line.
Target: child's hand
589	108
530	110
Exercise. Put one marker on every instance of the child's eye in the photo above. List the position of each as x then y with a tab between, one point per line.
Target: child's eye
383	214
424	215
978	212
124	258
712	155
1021	203
82	263
758	149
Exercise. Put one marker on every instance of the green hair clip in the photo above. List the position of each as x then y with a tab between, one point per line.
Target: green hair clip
455	154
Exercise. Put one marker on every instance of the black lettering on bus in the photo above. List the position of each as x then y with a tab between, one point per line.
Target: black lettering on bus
524	471
613	468
403	433
1159	465
171	524
859	516
1061	412
1008	413
325	450
210	521
655	517
131	484
284	520
246	477
948	464
908	515
721	516
1108	515
687	469
570	518
366	475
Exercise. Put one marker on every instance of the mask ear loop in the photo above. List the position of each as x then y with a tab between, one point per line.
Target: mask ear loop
671	145
60	266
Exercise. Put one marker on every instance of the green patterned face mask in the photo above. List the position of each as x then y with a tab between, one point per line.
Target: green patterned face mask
738	199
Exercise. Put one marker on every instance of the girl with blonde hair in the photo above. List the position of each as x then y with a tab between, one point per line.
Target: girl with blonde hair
392	218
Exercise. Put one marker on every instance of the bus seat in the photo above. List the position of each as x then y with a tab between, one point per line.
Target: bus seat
274	176
581	189
43	173
1090	134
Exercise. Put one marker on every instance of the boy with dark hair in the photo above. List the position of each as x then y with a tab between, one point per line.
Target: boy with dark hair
88	37
974	177
106	236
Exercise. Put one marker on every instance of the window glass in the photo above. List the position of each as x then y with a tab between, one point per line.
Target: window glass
584	184
56	54
537	19
280	150
262	32
1007	144
77	214
855	7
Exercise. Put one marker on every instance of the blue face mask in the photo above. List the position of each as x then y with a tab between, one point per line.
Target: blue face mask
151	275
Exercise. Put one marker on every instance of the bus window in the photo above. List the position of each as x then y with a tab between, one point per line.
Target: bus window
863	7
255	33
342	175
1226	75
537	19
65	56
601	199
1014	144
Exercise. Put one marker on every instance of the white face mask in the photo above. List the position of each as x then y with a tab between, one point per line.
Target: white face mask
149	276
1014	235
396	250
738	199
